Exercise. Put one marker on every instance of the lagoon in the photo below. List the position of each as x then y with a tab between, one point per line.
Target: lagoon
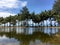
29	36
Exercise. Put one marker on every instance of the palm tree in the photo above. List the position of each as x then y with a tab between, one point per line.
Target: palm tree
26	14
46	15
43	17
4	22
13	20
56	6
36	19
1	19
9	20
20	18
50	16
58	19
55	16
32	16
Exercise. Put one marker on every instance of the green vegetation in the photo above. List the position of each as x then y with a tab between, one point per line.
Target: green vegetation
25	38
25	15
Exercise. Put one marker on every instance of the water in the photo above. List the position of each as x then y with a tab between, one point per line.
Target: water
29	36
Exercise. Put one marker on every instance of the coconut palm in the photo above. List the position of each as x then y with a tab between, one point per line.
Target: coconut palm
26	14
43	16
32	16
20	18
36	19
50	16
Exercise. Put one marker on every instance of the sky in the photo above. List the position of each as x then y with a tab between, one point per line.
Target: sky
13	7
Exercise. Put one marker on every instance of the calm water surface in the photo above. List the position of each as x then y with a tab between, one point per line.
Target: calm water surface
29	36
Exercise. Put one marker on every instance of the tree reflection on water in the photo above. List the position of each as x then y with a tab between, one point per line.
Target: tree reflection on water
32	36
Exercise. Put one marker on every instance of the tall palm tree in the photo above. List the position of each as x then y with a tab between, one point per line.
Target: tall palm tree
32	16
26	14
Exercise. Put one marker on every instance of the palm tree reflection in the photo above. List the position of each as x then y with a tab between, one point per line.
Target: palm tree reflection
25	38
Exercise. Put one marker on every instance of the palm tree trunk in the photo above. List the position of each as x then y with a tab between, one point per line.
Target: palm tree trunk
10	26
4	27
50	22
18	23
41	23
7	24
38	24
46	23
54	23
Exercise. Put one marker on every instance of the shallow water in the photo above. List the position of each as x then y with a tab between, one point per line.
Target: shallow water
29	36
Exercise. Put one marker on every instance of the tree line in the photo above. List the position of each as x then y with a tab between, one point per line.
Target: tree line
24	14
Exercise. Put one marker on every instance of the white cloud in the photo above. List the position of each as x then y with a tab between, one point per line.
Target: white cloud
5	14
12	3
23	3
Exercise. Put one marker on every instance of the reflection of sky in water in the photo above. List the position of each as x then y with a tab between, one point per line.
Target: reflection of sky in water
38	42
27	31
48	30
30	30
6	41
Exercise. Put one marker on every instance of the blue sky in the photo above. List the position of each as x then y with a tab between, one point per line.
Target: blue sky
12	7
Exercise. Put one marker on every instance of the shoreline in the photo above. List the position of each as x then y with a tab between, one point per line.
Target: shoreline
31	26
